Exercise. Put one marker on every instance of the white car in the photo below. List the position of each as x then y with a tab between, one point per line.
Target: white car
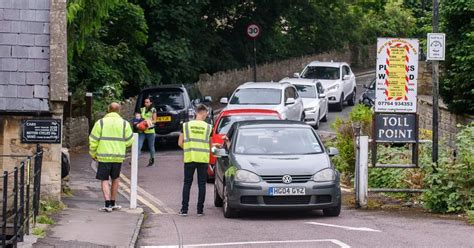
337	79
282	98
315	102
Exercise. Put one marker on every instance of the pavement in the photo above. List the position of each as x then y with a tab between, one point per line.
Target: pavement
81	224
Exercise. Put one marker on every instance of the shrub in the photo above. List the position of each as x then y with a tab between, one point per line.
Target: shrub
451	182
360	115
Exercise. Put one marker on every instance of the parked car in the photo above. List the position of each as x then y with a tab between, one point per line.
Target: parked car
315	102
173	107
283	98
368	97
337	79
275	165
224	121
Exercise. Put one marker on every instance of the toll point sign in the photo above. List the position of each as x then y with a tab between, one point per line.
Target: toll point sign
395	128
396	75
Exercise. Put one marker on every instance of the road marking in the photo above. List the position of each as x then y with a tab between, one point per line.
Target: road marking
364	229
334	241
149	196
127	189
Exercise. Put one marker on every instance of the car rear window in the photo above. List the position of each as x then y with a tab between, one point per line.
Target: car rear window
277	141
226	122
256	96
173	99
321	72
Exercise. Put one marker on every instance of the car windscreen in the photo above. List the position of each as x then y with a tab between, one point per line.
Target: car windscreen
256	96
321	72
306	91
226	122
168	98
277	141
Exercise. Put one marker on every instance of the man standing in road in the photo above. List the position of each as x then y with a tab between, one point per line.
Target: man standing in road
108	142
149	114
195	141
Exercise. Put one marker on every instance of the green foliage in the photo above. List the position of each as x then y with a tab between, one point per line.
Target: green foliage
451	183
43	219
457	85
39	232
360	116
48	207
470	217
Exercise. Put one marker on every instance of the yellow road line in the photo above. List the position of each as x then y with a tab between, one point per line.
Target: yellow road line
142	200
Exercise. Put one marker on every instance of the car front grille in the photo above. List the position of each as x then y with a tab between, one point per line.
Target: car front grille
249	200
295	179
284	200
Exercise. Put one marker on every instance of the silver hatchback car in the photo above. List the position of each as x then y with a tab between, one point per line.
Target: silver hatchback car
274	164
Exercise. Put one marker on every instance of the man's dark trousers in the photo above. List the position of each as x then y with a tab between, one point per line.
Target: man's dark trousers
189	169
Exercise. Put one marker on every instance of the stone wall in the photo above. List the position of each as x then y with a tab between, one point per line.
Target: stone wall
447	121
224	83
75	132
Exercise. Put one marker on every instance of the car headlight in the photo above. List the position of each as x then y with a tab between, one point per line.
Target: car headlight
334	87
310	109
324	175
246	177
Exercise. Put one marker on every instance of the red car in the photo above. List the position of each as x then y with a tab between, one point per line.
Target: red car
225	119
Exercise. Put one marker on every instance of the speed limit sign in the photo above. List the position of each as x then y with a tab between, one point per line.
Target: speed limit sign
253	31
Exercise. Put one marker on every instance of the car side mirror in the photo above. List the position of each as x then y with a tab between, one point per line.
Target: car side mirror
224	100
346	77
219	152
296	75
332	151
207	99
322	95
290	101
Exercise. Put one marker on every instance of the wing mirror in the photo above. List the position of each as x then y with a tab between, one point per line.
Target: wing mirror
219	152
346	77
296	75
207	99
332	151
290	101
224	100
322	95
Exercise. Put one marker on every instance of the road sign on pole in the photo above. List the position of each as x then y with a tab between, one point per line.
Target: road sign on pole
436	46
253	31
397	71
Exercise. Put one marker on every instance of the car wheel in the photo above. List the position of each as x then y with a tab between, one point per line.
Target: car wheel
352	99
217	198
340	104
334	211
316	126
229	212
325	117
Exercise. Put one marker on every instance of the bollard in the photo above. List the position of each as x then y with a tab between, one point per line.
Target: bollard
363	175
134	173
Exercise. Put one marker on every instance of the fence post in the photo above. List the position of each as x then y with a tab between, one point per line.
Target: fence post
15	205
363	163
37	183
27	209
134	173
4	208
89	109
22	199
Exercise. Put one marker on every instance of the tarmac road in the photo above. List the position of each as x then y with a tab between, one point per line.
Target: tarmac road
353	228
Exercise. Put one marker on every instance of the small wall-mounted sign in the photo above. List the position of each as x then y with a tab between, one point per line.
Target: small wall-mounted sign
41	131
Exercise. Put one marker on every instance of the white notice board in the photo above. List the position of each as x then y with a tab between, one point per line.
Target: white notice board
396	75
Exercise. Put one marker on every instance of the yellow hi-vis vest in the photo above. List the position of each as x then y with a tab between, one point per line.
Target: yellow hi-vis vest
196	141
110	138
148	115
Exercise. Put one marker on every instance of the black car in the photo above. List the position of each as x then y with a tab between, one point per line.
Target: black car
173	106
368	97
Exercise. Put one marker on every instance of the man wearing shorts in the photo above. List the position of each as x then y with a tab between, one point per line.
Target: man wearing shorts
108	142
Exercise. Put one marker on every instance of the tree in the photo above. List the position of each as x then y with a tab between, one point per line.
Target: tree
457	84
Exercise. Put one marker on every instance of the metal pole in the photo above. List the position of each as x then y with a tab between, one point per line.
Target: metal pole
363	170
22	200
435	74
4	208
254	60
89	104
15	206
357	171
134	173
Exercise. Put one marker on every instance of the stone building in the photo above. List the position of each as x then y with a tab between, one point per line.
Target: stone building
33	79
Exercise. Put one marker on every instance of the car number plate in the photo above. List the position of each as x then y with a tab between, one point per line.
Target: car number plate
286	191
163	118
